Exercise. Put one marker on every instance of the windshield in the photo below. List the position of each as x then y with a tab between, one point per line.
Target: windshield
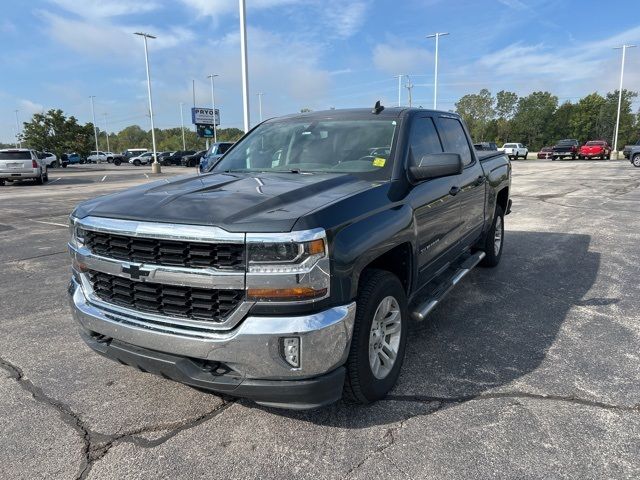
15	155
315	146
594	144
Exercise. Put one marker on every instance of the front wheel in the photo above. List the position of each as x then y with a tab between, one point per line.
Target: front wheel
526	155
636	160
137	163
379	337
117	162
493	242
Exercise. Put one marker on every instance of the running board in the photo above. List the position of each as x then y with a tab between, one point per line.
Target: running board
421	311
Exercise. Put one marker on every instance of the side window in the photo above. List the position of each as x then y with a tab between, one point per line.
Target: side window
423	139
454	138
223	147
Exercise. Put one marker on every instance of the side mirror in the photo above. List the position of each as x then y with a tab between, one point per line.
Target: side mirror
437	165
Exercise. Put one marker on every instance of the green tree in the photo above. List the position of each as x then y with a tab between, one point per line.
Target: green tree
561	124
477	110
532	119
587	120
506	107
54	132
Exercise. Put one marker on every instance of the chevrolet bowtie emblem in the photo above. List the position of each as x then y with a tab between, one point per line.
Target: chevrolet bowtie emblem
135	272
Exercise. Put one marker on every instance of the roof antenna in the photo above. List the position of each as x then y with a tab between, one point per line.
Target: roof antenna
377	108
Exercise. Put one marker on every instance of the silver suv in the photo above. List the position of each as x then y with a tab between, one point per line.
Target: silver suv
22	164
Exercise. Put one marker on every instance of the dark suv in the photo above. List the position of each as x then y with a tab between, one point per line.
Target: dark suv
176	157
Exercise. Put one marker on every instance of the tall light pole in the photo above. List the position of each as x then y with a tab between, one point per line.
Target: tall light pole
400	90
155	166
260	94
409	89
615	137
95	129
184	144
245	65
106	131
213	105
435	77
18	140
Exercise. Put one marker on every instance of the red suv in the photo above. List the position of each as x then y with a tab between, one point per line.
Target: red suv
595	148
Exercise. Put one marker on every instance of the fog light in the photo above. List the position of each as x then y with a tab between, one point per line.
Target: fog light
291	350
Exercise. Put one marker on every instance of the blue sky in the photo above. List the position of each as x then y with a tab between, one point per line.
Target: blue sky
302	53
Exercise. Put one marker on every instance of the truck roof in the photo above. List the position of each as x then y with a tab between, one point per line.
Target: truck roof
388	112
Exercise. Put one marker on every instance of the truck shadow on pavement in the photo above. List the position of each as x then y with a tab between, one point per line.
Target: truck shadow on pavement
494	328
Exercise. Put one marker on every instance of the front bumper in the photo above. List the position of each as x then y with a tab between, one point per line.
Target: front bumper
251	351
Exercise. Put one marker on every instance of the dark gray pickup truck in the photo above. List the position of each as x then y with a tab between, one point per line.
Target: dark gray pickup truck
290	272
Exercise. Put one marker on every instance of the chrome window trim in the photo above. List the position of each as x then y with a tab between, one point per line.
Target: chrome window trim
160	231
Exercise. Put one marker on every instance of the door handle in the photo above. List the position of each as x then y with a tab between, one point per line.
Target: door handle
480	180
454	191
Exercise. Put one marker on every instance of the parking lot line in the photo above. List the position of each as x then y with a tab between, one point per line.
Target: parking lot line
55	180
103	178
50	223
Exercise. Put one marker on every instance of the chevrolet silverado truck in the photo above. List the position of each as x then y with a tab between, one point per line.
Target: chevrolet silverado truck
290	272
565	148
632	153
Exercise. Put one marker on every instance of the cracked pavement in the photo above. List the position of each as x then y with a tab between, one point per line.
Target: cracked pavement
529	370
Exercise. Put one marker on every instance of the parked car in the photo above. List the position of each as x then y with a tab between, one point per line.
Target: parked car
70	159
144	159
17	164
192	160
565	148
632	153
485	146
50	159
163	155
514	150
545	152
289	274
595	148
213	156
176	157
100	157
127	155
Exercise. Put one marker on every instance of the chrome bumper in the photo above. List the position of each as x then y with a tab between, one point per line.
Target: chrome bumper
252	349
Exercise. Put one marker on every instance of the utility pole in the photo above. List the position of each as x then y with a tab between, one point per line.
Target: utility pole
409	88
106	131
435	76
245	64
400	90
615	137
260	104
213	105
155	166
95	129
18	139
184	144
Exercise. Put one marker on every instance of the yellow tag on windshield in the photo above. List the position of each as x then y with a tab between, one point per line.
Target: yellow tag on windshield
379	162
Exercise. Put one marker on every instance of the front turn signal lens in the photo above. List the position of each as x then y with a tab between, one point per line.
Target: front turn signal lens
315	247
284	294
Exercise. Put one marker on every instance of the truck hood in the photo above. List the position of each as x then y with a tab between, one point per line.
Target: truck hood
240	202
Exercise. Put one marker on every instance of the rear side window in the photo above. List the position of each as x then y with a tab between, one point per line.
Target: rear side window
454	138
423	139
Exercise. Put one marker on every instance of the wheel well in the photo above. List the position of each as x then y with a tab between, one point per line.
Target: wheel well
503	198
397	261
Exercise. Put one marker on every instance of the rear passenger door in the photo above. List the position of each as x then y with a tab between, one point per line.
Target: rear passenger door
436	211
471	184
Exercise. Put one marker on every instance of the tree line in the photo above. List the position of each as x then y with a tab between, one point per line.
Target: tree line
53	131
538	120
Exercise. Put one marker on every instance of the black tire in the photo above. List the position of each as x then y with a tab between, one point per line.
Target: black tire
136	163
361	386
553	159
635	160
526	155
117	162
40	180
64	165
492	257
55	164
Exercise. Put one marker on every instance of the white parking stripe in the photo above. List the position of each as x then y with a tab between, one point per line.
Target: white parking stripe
50	223
103	178
146	175
55	180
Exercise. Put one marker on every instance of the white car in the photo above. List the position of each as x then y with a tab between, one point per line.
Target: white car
515	150
144	159
22	164
50	159
100	157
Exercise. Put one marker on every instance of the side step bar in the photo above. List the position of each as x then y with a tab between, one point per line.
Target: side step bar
422	310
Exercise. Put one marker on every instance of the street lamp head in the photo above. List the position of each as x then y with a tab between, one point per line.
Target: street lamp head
213	75
433	35
142	34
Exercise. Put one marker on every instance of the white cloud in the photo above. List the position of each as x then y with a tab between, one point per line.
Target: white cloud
105	8
396	58
29	108
347	19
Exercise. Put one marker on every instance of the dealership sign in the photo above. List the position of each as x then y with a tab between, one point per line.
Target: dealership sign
204	116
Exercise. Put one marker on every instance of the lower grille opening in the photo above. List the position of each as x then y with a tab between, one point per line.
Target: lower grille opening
212	305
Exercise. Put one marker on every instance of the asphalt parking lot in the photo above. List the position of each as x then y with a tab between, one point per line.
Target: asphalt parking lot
530	370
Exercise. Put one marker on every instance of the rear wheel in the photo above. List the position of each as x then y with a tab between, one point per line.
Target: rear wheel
493	241
137	163
117	162
41	178
379	337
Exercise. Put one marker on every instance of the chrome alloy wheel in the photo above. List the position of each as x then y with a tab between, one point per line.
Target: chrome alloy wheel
497	236
384	340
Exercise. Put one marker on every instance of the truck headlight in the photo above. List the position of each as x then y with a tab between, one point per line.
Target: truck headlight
76	232
288	267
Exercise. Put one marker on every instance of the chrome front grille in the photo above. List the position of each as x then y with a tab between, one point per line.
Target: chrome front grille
177	253
212	305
